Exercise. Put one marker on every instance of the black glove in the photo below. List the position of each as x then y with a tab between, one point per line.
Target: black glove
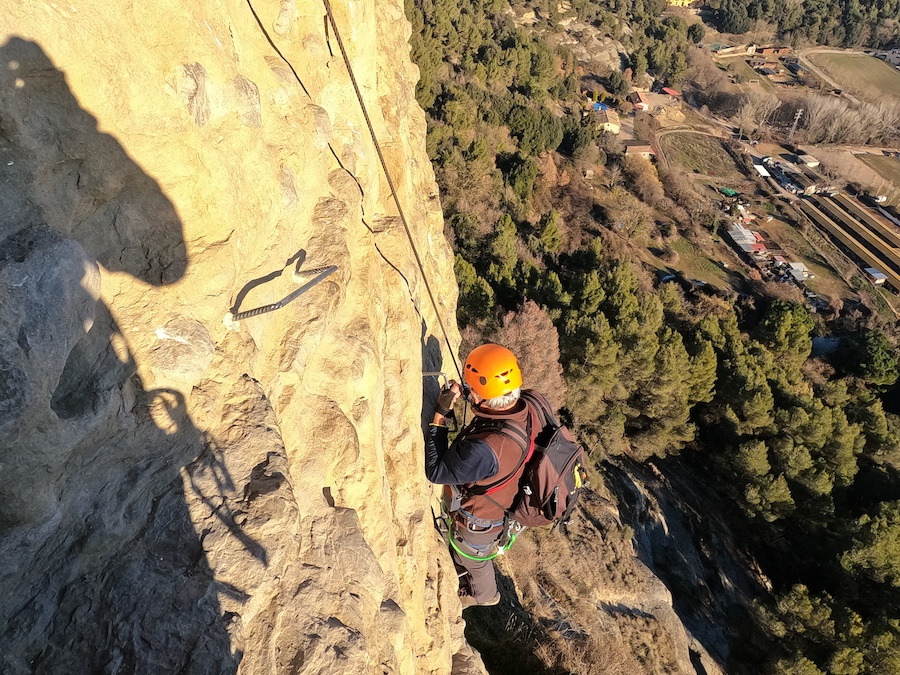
445	401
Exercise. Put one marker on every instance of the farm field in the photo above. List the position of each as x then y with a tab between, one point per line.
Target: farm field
889	169
700	154
741	68
868	78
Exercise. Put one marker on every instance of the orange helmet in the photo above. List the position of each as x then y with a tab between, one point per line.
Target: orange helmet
492	370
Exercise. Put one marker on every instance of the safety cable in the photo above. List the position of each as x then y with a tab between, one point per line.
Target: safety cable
387	174
319	272
275	47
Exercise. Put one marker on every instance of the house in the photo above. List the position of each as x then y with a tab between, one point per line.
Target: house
638	148
876	276
796	68
680	3
749	242
608	120
773	51
809	160
668	91
639	100
762	63
799	271
769	72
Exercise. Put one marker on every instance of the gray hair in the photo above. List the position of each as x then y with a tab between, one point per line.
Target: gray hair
501	402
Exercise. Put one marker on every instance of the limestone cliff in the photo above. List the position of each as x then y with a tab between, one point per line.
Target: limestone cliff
179	493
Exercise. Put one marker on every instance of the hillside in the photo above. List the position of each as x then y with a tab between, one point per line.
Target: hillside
186	488
186	492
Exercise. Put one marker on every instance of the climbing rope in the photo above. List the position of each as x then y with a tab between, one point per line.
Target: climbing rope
387	174
365	112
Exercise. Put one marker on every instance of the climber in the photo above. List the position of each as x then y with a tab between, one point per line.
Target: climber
489	455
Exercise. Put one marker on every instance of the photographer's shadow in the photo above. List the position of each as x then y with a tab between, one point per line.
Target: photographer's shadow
102	568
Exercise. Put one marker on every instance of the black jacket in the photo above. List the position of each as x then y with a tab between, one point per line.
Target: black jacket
465	461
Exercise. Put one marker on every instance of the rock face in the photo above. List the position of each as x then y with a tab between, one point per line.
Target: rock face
181	493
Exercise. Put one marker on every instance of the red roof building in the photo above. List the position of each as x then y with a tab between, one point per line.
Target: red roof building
671	92
773	51
638	148
639	100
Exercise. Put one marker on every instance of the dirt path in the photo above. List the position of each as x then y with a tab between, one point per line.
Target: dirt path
821	74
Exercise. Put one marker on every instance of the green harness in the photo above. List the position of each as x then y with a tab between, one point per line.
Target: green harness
510	533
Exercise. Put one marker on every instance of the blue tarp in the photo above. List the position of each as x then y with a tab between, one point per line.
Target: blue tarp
601	106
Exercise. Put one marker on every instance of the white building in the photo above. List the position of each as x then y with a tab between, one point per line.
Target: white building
876	276
809	161
799	271
892	57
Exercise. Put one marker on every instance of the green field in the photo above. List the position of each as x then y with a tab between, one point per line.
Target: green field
865	76
701	154
694	263
742	68
889	169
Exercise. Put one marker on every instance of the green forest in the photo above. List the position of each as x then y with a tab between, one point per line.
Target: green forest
846	23
801	446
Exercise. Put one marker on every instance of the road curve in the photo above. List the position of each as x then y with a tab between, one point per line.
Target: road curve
821	74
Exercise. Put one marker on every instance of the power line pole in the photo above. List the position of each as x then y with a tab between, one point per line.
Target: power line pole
794	126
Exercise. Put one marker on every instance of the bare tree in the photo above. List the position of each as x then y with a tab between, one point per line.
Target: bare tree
833	120
756	109
762	32
533	338
702	71
613	176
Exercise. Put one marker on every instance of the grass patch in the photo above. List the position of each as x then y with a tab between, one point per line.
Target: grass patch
700	154
889	299
695	264
886	167
867	77
742	68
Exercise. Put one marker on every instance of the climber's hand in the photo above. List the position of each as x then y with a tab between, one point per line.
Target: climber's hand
448	398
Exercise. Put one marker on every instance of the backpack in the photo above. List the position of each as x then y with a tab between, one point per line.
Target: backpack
554	470
555	474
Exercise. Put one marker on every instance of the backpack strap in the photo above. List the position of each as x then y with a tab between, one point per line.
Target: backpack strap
525	441
540	402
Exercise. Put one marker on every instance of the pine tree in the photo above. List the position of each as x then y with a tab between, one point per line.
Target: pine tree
593	375
876	546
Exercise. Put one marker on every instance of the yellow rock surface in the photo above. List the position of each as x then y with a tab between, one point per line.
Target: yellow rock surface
182	493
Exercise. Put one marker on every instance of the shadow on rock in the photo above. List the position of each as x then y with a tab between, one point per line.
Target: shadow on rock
102	568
